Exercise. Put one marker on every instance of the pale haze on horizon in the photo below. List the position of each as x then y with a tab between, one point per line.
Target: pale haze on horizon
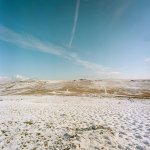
55	39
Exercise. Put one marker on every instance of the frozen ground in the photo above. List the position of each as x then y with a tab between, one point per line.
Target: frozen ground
68	122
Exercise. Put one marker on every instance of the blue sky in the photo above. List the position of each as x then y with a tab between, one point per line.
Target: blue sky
68	39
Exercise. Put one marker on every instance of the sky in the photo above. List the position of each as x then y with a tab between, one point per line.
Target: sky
69	39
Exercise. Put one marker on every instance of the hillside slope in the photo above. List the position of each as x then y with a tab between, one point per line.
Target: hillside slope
82	87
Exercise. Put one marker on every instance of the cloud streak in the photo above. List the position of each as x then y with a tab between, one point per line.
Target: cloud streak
75	23
147	60
30	42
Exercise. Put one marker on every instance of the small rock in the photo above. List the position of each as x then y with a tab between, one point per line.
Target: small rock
138	147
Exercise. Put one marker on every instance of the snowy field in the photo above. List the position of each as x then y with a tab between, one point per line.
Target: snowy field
68	122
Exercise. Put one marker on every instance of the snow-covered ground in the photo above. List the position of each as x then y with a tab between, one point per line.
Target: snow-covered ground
68	122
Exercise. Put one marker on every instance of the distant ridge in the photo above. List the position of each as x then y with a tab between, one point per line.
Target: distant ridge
81	87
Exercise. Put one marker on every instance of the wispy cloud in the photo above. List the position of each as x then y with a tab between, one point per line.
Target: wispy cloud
75	23
20	77
121	9
32	43
4	79
147	60
28	41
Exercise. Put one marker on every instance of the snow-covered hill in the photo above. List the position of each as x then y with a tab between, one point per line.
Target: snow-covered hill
82	87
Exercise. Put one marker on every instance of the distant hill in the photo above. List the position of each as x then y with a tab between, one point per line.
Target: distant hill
81	87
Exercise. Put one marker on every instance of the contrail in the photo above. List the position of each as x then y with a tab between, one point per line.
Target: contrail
75	23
